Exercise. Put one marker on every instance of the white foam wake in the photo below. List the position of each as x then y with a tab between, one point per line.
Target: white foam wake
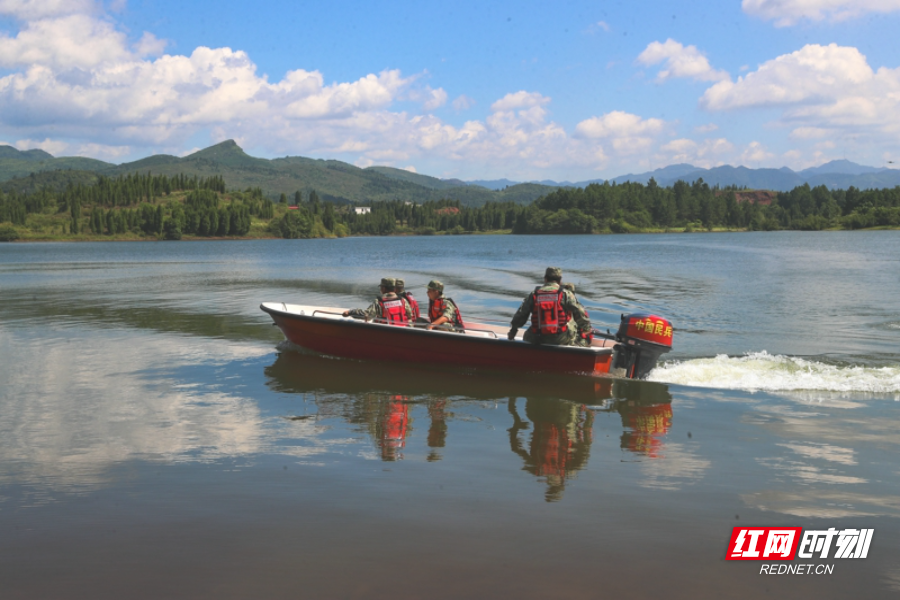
764	371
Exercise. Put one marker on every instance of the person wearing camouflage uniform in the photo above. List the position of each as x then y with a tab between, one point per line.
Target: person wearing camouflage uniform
400	289
442	311
374	311
577	335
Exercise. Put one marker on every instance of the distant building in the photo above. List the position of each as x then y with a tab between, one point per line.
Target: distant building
362	210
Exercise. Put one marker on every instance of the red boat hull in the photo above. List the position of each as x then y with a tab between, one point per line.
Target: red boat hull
350	338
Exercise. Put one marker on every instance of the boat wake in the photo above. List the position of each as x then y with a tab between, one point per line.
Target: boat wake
761	371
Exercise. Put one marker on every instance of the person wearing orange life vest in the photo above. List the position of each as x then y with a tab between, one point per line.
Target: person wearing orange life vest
443	313
551	307
387	308
400	289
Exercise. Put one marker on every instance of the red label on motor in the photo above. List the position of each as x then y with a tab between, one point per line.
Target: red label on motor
650	328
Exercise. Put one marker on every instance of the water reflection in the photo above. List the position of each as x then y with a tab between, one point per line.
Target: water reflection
437	432
552	432
387	419
560	441
301	373
646	426
72	412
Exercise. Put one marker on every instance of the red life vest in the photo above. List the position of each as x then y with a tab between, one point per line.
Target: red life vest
412	303
436	311
393	311
548	317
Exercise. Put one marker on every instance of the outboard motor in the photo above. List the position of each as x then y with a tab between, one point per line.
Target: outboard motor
642	339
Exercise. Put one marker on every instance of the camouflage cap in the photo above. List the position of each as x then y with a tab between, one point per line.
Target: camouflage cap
388	282
399	282
434	284
553	273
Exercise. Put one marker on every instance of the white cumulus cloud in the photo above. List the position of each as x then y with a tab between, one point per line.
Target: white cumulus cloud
680	61
431	99
627	134
824	96
789	12
54	147
812	74
72	41
75	83
703	153
520	99
42	9
755	153
619	124
821	91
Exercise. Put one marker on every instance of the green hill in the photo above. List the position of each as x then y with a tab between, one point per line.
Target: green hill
424	180
16	163
333	180
36	154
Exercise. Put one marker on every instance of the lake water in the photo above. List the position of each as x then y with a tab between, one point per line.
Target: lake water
158	439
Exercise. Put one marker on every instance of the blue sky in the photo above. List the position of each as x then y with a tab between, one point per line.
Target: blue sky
523	90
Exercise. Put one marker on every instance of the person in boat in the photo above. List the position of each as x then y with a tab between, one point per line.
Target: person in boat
387	308
443	313
551	307
400	289
573	325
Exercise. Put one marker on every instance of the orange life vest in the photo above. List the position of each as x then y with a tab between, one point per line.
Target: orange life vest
436	311
393	311
548	317
412	303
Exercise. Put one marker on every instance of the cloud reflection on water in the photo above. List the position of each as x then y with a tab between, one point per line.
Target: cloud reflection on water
75	408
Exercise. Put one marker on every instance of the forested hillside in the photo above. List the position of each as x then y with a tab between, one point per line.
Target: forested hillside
186	206
334	181
636	207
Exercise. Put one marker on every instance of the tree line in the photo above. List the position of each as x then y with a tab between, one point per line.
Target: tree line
625	207
147	205
138	204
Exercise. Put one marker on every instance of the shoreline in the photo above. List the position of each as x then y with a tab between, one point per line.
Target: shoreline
413	234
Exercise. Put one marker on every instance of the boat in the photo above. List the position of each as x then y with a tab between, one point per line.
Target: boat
631	352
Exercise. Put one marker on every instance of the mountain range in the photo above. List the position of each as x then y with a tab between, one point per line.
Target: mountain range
333	180
835	174
340	182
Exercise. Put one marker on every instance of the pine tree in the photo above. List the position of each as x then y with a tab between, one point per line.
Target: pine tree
76	214
328	216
